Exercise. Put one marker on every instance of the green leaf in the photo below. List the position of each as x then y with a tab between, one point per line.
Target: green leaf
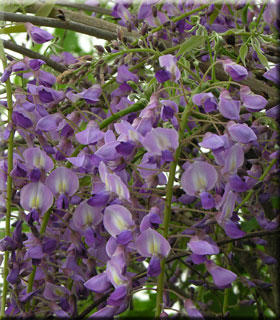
243	53
45	9
85	181
244	14
214	15
191	43
13	29
250	225
261	56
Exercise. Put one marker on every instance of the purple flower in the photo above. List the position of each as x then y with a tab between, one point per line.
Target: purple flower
168	62
125	75
6	74
191	310
117	219
161	75
222	277
92	94
233	158
154	267
49	122
113	183
202	247
99	283
117	297
241	133
63	181
36	196
212	141
253	102
207	100
169	108
228	107
86	216
237	184
236	71
273	74
35	64
115	269
21	120
151	243
200	176
90	135
160	139
35	157
38	35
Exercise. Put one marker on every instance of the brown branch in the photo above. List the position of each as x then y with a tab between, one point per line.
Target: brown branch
34	55
55	23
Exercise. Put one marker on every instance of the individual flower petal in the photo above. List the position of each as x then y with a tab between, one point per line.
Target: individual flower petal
241	133
49	122
273	74
125	75
86	215
207	100
236	71
21	120
38	35
92	94
117	219
124	237
38	158
90	135
191	310
222	277
63	181
168	62
37	196
200	176
212	141
99	283
150	243
228	107
202	247
117	297
237	184
253	102
233	158
35	64
161	75
115	270
207	201
154	267
160	139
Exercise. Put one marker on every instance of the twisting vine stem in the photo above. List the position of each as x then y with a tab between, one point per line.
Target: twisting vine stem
9	183
168	201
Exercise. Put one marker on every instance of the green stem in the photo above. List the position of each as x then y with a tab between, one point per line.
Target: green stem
9	186
167	208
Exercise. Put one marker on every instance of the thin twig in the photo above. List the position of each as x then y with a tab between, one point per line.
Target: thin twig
34	55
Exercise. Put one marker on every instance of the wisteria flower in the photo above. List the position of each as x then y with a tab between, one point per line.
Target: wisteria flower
37	34
170	71
236	71
222	277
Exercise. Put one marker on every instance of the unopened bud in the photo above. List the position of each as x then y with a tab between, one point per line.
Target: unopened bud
154	11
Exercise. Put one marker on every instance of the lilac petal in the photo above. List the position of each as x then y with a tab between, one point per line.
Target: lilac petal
232	230
242	133
198	259
117	297
208	100
273	112
90	135
154	267
99	199
207	200
125	75
150	243
212	141
86	215
125	148
13	275
38	35
36	195
117	219
228	107
202	247
236	71
200	176
160	139
113	183
169	61
251	101
38	158
273	74
6	74
162	75
63	181
191	310
115	270
233	158
222	277
237	184
21	120
35	252
105	313
49	245
49	122
98	283
35	64
124	237
92	94
53	292
35	175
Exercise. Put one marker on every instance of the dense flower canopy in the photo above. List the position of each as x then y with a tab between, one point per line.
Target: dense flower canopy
148	164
